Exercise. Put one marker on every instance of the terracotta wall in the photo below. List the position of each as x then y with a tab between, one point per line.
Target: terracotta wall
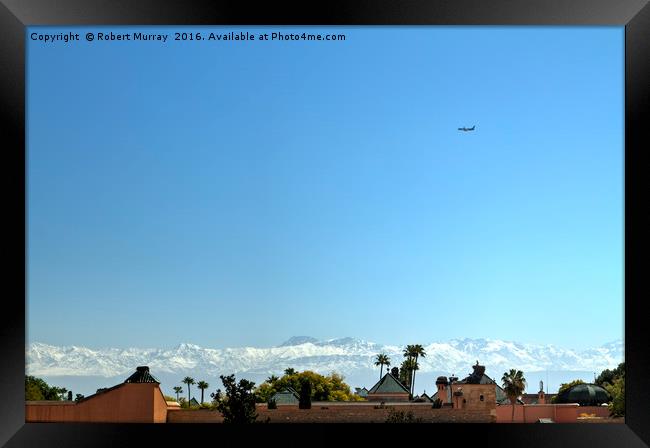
388	397
341	413
600	411
472	396
130	402
560	413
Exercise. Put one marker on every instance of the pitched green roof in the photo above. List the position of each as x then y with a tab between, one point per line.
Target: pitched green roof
287	395
388	384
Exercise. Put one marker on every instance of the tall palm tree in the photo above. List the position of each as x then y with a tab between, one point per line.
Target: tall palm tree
382	360
409	351
189	381
406	372
410	366
417	351
514	384
203	386
289	371
178	390
272	379
62	391
409	354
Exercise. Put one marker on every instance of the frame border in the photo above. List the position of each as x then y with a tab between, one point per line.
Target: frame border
16	15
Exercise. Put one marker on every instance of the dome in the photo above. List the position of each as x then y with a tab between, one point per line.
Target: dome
441	380
584	395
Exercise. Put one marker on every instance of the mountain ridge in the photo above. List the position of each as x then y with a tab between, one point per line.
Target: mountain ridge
319	355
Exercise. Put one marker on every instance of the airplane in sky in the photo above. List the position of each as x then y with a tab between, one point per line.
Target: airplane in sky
464	129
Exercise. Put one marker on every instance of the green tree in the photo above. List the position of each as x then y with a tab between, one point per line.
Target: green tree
617	391
289	371
324	388
382	360
203	386
305	393
37	389
409	366
189	381
514	385
78	398
417	351
238	405
404	373
62	391
264	392
608	376
272	379
178	390
411	353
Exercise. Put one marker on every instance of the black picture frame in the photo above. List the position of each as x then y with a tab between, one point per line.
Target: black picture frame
15	15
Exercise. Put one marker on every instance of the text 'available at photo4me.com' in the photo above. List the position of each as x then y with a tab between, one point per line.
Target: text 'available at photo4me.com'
72	37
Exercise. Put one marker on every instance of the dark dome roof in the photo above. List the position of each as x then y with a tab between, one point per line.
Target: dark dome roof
142	375
585	395
441	380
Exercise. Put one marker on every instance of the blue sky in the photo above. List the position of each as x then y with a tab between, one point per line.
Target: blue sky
240	193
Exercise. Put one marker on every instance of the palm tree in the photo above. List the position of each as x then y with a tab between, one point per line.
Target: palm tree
203	386
382	360
289	371
406	372
514	384
189	381
409	354
178	390
272	379
417	351
62	391
410	366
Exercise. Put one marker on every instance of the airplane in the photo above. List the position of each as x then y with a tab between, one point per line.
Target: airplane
464	129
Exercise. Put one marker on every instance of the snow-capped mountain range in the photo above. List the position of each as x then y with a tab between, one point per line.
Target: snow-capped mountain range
354	358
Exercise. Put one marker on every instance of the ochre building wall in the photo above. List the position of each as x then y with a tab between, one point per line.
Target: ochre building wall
560	413
344	413
131	402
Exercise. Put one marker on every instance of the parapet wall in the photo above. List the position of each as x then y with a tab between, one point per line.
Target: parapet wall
560	413
130	402
341	413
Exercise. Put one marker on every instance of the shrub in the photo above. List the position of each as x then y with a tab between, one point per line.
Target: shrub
402	417
238	405
272	404
617	391
437	403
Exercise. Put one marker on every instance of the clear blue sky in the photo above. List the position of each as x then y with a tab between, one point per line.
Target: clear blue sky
240	193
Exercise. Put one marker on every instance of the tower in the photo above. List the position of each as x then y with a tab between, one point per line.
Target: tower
442	384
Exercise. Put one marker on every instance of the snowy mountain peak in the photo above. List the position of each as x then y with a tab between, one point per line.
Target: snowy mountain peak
298	340
353	358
